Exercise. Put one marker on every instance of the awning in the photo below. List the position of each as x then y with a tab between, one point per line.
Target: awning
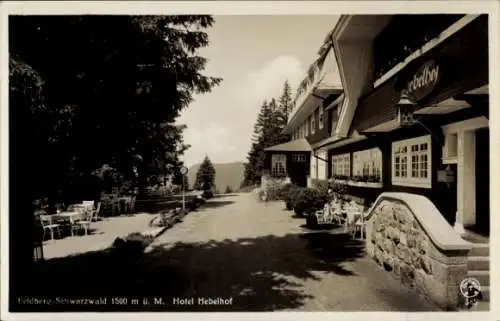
298	145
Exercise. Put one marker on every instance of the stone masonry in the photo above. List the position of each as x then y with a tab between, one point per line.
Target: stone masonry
399	243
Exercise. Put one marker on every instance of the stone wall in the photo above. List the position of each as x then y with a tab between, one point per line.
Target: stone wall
409	237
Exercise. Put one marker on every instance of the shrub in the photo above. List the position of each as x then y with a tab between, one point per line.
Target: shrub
261	193
207	194
289	193
311	200
338	190
131	247
296	196
272	191
322	185
228	190
285	189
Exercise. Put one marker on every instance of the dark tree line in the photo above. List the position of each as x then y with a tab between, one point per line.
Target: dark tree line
271	120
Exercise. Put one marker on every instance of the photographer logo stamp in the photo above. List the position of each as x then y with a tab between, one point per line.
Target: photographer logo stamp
470	288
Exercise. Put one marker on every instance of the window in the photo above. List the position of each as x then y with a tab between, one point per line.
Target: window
312	123
314	167
320	118
341	165
298	158
334	119
278	165
367	164
411	162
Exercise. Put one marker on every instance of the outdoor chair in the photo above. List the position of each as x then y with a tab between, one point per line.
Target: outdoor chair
80	208
95	213
353	211
85	223
324	216
47	224
360	223
337	213
132	204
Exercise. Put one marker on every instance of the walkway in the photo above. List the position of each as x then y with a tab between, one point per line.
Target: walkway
260	256
234	254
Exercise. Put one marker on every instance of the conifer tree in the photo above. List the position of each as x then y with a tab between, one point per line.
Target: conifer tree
205	176
271	120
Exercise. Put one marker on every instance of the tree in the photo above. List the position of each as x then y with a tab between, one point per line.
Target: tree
205	176
286	102
91	90
271	120
118	82
179	179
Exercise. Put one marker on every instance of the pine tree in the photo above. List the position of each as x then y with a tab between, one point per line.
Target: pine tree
205	177
286	102
262	122
271	120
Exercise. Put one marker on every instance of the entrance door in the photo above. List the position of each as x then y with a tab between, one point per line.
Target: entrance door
482	182
298	170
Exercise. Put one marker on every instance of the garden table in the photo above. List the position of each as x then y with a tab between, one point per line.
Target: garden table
72	217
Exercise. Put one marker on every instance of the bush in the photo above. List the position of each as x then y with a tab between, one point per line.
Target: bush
274	191
311	200
288	194
296	195
322	185
228	190
285	189
207	194
338	190
131	247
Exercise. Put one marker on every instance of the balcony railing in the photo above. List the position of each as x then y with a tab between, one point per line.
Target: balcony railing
406	34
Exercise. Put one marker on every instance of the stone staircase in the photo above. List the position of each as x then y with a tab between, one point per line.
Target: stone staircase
478	265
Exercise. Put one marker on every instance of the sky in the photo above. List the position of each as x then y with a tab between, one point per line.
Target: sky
254	55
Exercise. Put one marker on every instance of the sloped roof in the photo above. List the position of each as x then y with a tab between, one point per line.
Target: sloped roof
298	145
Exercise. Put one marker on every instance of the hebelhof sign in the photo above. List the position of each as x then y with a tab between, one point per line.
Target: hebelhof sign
424	81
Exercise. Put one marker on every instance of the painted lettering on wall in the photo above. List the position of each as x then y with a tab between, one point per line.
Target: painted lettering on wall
423	81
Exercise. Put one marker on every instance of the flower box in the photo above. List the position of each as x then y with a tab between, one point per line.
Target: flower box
365	184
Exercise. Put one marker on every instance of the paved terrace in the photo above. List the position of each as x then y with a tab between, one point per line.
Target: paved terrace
236	247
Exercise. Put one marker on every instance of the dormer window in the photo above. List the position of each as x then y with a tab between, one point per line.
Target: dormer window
320	118
313	123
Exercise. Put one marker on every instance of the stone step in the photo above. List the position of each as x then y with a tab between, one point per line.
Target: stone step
485	291
478	263
482	276
480	249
